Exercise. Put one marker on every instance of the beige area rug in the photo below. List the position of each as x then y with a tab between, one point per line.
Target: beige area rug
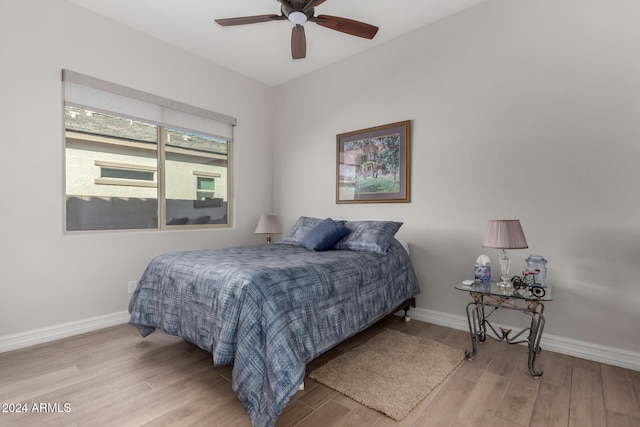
391	373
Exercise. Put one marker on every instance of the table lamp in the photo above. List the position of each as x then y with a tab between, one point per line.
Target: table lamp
268	224
504	234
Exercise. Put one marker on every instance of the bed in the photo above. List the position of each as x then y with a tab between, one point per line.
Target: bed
271	309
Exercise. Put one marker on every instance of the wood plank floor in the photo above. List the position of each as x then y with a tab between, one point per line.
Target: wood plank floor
113	377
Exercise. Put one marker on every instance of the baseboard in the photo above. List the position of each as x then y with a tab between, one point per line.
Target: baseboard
598	353
584	350
51	333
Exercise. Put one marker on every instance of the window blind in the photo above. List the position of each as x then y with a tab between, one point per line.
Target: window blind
99	95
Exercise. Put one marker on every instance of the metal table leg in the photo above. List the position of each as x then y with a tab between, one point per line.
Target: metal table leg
477	331
478	321
537	325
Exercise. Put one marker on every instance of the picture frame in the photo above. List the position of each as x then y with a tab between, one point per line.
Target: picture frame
373	164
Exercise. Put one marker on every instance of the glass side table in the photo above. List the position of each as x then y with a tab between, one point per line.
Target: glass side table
488	298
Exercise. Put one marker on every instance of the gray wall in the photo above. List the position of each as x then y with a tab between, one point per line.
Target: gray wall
48	278
520	109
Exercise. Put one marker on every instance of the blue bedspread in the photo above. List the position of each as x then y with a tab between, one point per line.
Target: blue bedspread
269	309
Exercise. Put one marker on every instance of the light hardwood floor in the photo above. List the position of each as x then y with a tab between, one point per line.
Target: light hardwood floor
114	377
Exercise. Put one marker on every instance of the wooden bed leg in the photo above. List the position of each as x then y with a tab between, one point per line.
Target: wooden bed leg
406	318
301	386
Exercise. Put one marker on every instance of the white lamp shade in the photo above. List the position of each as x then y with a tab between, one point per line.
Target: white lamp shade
504	234
268	224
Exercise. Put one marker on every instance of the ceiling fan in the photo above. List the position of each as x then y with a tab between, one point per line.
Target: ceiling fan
300	11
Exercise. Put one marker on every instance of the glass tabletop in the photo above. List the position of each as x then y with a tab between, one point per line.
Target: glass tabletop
492	288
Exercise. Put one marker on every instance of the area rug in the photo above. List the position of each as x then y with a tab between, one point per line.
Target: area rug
391	373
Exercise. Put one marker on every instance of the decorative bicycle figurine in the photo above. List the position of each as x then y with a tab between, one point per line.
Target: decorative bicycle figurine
528	280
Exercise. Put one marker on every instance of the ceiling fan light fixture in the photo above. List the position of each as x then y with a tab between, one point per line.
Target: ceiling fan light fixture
297	18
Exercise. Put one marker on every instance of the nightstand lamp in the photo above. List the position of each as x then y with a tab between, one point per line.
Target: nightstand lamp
268	224
504	234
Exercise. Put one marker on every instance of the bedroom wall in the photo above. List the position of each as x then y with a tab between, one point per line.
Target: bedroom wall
525	110
48	278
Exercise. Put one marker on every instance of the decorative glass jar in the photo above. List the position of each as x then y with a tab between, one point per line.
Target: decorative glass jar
537	262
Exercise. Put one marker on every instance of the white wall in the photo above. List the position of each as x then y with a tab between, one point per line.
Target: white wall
48	278
520	109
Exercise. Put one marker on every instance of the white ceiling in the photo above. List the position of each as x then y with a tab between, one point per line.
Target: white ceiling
262	51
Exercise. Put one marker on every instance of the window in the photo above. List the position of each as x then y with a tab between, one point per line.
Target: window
206	188
131	163
112	173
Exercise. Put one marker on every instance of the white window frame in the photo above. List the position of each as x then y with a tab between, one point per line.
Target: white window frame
102	96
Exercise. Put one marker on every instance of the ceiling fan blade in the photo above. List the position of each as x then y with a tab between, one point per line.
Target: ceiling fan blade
249	20
319	2
345	25
298	42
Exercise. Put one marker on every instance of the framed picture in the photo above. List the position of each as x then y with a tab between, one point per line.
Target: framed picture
373	164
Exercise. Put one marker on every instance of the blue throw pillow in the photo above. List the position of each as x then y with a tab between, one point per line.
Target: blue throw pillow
300	229
324	235
369	236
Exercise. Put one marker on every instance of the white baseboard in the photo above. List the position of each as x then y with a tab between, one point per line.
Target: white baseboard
51	333
598	353
584	350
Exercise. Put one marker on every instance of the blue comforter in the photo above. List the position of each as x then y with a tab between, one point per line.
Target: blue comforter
269	309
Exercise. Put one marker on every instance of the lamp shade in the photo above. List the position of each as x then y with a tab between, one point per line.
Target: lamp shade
504	234
268	224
